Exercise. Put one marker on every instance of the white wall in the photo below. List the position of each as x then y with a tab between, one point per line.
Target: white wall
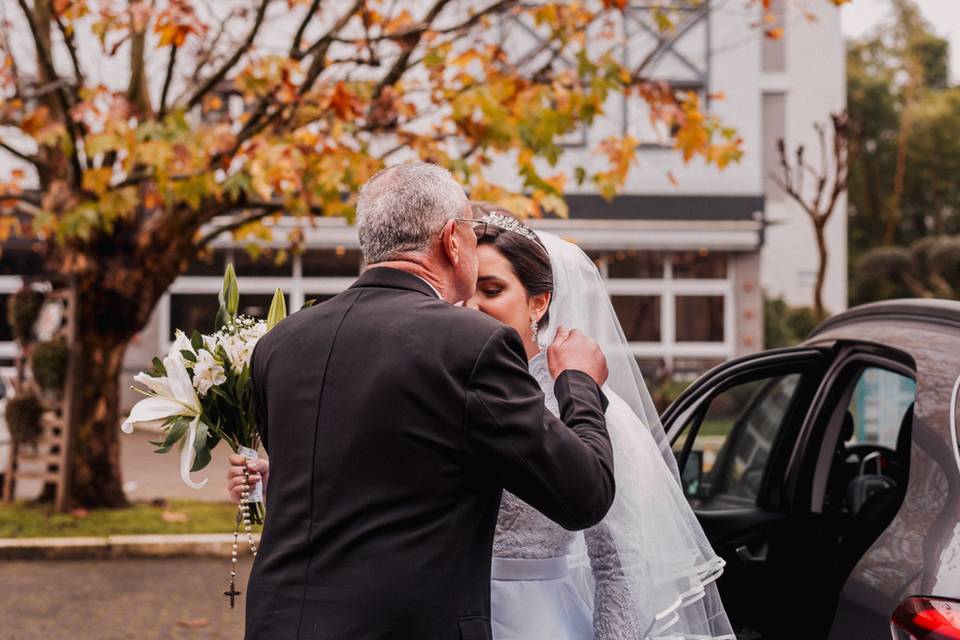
814	85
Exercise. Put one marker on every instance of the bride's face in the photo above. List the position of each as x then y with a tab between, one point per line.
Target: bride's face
501	294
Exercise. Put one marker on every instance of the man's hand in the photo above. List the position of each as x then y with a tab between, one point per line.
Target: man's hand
259	470
573	350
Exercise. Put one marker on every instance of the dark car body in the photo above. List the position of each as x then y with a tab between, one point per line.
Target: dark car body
828	475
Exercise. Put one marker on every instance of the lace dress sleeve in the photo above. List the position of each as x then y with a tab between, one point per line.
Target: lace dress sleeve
613	610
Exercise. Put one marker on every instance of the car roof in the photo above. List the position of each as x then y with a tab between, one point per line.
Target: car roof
944	313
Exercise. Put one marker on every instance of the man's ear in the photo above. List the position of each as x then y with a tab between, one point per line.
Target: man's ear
449	242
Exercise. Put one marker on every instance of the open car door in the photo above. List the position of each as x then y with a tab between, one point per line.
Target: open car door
733	432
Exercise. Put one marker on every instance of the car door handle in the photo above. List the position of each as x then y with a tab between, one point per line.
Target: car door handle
749	557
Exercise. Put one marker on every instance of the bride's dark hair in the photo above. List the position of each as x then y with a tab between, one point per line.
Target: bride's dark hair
529	258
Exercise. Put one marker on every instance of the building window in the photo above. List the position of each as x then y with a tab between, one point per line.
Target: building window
198	311
699	318
191	312
257	305
18	262
6	331
774	123
211	263
630	263
268	263
702	265
639	316
331	263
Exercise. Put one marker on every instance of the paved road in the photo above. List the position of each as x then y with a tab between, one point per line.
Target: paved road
153	599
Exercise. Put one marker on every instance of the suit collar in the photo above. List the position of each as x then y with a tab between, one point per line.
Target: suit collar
394	279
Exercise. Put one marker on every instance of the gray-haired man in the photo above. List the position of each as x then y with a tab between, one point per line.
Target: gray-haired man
394	420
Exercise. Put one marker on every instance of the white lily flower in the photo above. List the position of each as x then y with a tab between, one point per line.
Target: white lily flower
172	395
207	372
180	343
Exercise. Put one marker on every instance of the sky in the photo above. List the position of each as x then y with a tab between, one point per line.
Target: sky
860	16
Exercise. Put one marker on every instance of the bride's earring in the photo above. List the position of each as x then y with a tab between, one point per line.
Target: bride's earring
534	330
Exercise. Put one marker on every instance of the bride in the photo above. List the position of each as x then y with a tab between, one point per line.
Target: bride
647	570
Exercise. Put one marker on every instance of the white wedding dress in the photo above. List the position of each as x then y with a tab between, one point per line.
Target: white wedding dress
647	570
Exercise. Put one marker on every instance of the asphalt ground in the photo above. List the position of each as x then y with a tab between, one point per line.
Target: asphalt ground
148	599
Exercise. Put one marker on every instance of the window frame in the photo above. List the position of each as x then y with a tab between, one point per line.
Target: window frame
668	289
295	286
690	408
811	464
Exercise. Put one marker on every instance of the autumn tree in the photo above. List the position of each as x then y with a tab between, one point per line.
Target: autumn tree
903	166
136	132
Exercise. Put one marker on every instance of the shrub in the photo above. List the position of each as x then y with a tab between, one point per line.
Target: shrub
23	415
23	309
49	363
785	326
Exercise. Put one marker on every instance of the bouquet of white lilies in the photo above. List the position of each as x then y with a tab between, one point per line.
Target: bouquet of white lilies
200	394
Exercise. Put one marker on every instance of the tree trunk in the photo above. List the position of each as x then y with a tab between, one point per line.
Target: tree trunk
819	311
903	138
96	479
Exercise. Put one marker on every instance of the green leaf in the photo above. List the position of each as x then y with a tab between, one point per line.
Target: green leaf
278	309
307	304
196	341
176	431
188	355
158	367
201	448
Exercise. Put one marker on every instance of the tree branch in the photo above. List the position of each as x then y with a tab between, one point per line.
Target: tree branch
47	64
400	65
263	210
319	48
258	121
298	38
71	44
34	160
421	28
236	224
166	81
220	73
137	90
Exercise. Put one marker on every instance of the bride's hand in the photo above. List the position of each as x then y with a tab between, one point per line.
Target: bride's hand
573	350
259	470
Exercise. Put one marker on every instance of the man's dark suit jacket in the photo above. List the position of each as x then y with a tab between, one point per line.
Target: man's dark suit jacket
393	420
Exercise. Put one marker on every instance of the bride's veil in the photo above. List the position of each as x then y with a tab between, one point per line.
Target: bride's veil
668	567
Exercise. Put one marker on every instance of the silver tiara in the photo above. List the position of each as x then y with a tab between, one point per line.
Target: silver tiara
509	223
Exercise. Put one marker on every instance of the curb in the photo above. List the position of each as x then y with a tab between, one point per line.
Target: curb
111	547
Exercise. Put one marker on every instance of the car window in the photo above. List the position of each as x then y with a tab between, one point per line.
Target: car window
732	443
879	402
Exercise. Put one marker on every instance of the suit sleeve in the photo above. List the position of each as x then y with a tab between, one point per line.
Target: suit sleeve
259	399
562	468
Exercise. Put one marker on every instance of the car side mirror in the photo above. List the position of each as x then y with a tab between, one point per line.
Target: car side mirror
692	474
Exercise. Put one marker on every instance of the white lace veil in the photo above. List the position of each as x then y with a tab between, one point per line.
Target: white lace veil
669	567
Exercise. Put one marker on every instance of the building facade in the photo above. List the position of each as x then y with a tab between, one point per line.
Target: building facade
686	251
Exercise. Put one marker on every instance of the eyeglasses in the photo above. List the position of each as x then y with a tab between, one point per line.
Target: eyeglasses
479	226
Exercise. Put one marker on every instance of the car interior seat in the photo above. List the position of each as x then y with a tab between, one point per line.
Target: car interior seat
879	504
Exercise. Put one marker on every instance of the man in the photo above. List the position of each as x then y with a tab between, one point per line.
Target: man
393	420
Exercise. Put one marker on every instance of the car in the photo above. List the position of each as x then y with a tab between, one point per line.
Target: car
827	476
